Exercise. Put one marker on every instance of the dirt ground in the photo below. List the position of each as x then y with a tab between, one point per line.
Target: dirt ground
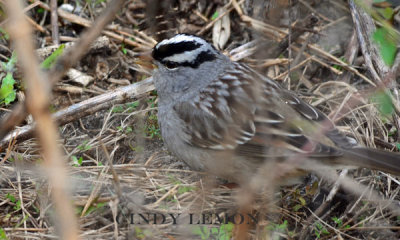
124	183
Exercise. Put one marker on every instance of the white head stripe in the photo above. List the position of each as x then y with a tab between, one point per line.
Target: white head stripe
181	38
188	56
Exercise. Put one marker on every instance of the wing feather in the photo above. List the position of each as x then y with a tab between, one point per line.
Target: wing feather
245	112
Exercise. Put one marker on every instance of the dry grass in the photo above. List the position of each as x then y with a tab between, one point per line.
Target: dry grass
118	167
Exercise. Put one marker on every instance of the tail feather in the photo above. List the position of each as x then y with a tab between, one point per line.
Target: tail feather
373	158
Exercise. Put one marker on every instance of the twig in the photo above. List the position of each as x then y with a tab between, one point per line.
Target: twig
381	73
339	61
99	45
37	26
33	5
85	108
117	184
307	5
54	22
299	28
350	185
294	68
323	206
365	27
316	59
37	103
210	24
21	199
350	54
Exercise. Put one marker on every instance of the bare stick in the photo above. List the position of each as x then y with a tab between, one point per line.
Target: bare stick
299	28
365	26
38	102
84	108
54	22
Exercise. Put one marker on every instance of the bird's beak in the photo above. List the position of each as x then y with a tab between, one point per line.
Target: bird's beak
145	60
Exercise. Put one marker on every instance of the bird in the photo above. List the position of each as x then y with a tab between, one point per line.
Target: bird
225	118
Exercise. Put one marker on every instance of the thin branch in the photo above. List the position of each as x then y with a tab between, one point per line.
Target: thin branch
54	22
38	100
84	108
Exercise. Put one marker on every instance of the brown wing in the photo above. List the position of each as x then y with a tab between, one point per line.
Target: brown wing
253	114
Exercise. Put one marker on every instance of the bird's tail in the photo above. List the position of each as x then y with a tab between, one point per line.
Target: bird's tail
373	158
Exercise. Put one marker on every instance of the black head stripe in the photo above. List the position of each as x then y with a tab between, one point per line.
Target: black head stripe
201	58
167	50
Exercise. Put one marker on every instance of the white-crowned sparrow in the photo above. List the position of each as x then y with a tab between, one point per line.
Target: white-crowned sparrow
223	117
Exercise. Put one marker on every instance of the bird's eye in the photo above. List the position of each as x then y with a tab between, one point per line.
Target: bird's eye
170	65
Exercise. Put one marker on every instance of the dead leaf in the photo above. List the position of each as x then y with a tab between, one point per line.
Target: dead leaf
221	30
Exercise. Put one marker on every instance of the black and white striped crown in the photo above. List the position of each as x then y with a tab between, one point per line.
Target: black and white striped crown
184	50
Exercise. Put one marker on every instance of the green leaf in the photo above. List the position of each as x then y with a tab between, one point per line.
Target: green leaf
17	205
10	65
318	234
123	49
139	233
387	13
214	231
22	221
215	15
50	60
11	197
337	221
77	161
384	102
325	231
4	34
118	109
128	130
201	231
225	231
398	146
387	44
78	210
319	226
184	189
3	235
297	207
134	104
40	10
282	226
302	201
84	146
7	92
94	207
